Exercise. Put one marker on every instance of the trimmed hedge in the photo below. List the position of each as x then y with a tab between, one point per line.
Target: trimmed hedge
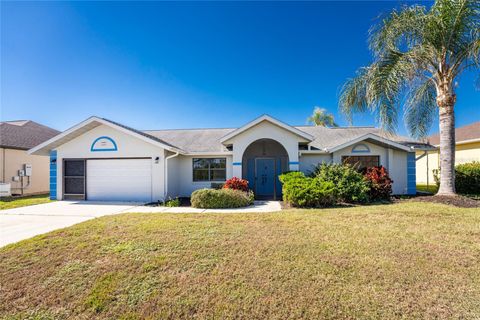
301	191
350	185
220	198
467	178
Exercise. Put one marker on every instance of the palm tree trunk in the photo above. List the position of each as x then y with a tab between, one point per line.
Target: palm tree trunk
446	102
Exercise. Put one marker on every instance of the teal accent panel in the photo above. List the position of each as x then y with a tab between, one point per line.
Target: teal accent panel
93	148
411	173
53	175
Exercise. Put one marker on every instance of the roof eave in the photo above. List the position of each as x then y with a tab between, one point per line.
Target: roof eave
45	147
373	137
272	120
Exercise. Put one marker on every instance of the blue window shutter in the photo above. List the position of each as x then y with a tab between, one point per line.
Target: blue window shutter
53	175
411	173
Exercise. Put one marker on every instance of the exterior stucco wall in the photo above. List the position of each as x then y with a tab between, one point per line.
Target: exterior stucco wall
395	161
265	130
425	165
181	179
12	160
309	161
128	147
464	153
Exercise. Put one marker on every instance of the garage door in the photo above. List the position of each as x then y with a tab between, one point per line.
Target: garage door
119	180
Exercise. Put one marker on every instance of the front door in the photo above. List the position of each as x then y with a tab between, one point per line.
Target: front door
265	177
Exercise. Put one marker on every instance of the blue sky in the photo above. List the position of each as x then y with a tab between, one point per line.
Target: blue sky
155	65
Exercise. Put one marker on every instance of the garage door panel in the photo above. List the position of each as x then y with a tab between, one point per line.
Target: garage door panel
119	180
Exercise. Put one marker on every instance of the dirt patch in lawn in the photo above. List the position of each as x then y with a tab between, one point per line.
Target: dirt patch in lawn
457	201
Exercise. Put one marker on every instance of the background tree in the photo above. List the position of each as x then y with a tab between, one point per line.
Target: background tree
320	117
419	54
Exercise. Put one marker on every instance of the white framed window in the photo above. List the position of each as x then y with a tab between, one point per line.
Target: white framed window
362	162
209	169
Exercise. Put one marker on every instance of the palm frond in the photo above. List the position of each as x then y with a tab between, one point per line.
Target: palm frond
399	28
416	53
420	109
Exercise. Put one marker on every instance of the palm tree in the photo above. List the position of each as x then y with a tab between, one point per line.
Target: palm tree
419	54
320	117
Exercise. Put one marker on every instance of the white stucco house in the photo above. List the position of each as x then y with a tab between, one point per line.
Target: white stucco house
99	159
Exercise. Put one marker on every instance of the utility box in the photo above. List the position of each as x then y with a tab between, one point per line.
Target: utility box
5	190
28	169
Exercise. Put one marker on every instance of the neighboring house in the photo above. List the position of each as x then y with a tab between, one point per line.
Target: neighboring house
26	174
467	149
99	159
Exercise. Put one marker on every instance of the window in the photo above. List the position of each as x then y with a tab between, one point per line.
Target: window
361	162
209	169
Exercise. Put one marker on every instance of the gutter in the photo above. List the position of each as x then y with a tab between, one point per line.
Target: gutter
165	180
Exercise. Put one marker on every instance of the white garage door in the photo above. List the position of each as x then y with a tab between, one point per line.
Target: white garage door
119	180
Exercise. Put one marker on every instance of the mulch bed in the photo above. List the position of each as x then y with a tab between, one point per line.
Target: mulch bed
457	201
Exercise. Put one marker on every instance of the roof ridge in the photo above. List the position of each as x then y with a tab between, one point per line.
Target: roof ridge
349	127
140	132
191	129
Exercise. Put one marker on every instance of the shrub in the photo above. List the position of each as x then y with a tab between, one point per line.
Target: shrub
379	182
302	191
467	178
350	184
222	198
236	184
291	175
172	202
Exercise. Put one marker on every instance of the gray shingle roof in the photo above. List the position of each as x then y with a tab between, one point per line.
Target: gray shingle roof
193	140
208	140
143	133
24	134
332	137
465	133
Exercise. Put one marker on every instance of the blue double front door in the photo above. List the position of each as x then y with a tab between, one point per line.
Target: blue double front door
262	174
265	177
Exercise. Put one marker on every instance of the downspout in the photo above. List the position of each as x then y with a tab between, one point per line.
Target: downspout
165	186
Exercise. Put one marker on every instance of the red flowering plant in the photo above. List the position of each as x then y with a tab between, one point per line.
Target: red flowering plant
379	182
236	184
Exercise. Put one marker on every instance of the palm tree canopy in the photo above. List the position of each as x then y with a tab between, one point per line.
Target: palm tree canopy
320	117
417	55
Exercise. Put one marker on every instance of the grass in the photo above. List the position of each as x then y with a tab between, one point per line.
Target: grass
431	188
16	202
398	261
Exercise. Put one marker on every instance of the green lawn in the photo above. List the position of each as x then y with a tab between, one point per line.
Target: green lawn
400	261
15	202
432	188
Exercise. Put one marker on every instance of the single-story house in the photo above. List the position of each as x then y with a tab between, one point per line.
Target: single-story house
23	173
99	159
467	149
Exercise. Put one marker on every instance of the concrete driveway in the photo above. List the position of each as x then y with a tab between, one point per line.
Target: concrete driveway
25	222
